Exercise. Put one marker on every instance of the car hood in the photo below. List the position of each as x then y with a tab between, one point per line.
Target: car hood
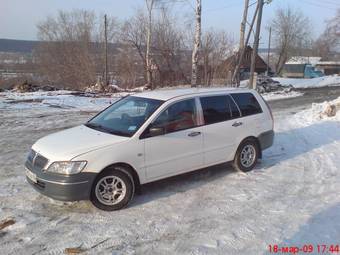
69	143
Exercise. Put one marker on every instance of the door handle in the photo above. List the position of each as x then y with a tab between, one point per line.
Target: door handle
192	134
236	124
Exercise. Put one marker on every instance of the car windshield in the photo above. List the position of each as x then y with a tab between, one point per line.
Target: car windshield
125	116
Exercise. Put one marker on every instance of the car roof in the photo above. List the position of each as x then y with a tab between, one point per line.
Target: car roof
167	94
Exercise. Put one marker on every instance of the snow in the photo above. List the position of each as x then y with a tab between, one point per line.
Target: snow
304	60
270	96
325	81
291	198
67	101
57	99
317	112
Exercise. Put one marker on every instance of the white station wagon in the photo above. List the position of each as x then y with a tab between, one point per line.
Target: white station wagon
147	137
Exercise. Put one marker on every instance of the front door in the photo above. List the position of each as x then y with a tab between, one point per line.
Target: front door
179	149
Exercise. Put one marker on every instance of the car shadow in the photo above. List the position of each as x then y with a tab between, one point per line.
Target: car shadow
181	183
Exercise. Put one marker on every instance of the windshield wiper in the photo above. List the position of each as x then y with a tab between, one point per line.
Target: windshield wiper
96	126
106	130
121	133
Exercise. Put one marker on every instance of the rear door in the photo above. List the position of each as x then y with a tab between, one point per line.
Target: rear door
180	148
220	134
252	120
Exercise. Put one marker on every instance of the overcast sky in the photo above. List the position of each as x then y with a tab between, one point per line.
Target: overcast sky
18	18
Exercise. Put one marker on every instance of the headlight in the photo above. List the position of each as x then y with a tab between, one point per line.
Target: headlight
67	167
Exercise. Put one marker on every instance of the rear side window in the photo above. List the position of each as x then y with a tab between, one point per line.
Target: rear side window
215	109
247	103
218	108
235	113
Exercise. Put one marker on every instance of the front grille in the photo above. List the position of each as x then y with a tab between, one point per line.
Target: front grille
36	160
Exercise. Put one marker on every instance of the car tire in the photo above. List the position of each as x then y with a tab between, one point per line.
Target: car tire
246	156
113	189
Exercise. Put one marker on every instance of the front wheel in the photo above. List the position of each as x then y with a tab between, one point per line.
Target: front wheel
113	189
246	156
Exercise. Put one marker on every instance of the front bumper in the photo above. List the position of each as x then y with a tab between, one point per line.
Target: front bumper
61	187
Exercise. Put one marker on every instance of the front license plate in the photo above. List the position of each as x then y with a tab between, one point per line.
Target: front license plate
31	176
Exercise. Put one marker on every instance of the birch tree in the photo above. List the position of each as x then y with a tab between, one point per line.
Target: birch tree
197	43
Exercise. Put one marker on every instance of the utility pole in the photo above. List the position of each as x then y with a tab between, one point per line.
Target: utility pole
150	6
197	44
243	24
256	44
268	56
105	46
242	52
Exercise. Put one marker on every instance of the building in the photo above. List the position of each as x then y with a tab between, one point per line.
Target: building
329	67
302	67
260	65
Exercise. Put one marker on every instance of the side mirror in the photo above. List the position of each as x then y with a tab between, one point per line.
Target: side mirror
155	131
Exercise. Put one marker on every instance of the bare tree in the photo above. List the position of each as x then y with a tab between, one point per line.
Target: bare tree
329	40
170	61
216	47
133	33
197	43
170	54
291	31
68	54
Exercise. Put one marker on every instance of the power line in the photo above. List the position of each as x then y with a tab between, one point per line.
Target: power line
318	5
328	2
225	7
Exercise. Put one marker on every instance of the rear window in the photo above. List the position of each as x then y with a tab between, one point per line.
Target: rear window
247	103
218	108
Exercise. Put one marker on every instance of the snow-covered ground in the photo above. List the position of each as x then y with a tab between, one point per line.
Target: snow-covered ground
65	100
270	96
291	198
326	81
57	99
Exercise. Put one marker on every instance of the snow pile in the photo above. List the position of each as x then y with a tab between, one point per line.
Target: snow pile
271	96
81	103
87	101
57	99
325	81
323	111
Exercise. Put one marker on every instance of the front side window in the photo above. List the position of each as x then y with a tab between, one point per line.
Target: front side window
126	116
247	103
179	116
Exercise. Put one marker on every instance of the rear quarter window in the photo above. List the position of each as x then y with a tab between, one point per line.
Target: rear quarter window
247	103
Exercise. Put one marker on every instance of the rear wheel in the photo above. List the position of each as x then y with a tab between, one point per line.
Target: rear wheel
246	156
113	189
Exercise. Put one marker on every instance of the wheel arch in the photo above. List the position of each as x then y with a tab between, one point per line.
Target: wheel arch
128	168
254	139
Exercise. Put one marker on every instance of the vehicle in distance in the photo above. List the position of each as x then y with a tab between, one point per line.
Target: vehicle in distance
147	137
